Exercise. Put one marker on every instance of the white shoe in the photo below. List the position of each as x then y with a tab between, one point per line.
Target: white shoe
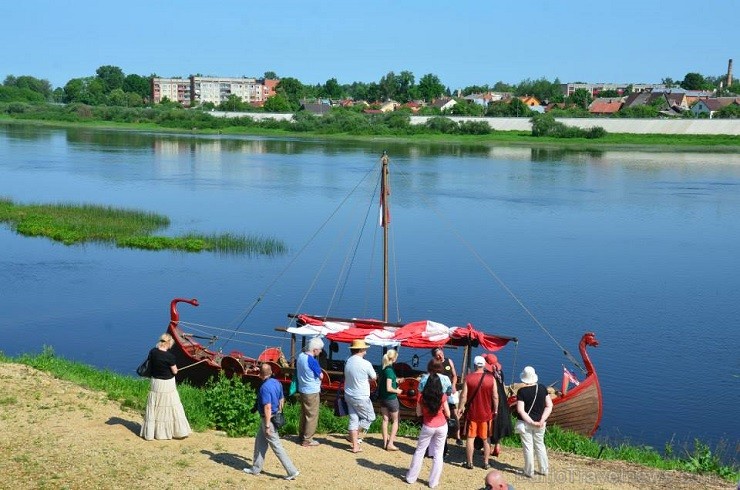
293	476
250	471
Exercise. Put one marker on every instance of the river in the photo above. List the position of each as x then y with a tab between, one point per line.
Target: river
640	247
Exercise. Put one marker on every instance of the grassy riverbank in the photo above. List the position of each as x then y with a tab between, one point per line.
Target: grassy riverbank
227	405
193	122
74	224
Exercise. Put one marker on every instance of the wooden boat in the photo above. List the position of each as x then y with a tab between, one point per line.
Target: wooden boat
579	409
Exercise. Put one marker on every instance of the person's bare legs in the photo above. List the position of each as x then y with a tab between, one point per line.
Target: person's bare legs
384	427
469	448
394	429
486	452
353	439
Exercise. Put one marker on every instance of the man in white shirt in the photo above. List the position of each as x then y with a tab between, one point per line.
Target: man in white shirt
357	375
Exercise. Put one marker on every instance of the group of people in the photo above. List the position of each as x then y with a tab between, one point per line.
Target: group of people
482	404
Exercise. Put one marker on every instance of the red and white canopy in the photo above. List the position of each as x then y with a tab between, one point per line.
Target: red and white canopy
421	334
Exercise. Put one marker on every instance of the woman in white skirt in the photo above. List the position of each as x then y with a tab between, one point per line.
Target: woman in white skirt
165	417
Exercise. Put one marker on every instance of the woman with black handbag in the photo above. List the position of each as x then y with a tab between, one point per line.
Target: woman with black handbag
165	417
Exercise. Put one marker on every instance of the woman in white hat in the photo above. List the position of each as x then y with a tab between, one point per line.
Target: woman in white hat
533	407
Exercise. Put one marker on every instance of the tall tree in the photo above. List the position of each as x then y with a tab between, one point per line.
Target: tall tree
332	89
292	89
136	84
34	84
270	75
430	87
581	97
693	81
388	86
111	77
406	85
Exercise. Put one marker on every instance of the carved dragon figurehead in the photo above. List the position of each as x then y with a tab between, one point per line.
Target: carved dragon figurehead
588	339
174	315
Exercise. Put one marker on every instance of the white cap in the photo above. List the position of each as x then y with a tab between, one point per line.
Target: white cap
479	361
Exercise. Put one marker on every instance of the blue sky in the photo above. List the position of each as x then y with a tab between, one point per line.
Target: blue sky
462	42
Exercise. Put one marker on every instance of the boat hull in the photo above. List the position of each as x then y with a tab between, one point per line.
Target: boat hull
580	409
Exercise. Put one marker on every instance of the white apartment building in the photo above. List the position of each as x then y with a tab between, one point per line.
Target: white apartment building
218	89
175	89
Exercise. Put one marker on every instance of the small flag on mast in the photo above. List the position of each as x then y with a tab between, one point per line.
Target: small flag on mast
570	376
385	191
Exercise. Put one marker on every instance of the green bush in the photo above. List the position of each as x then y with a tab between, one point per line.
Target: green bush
546	125
474	127
441	124
230	403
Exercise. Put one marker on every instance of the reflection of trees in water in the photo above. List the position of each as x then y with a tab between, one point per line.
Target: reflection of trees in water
560	154
33	133
251	144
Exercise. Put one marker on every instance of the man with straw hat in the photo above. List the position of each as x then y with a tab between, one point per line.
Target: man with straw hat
357	375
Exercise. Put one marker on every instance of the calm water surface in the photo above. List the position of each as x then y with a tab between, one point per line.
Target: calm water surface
640	247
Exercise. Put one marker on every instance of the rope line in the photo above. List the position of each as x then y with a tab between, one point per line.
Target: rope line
495	276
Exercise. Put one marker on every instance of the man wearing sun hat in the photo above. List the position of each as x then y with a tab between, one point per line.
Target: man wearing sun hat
357	375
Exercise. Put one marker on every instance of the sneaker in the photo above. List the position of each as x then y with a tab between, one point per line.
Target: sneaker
458	442
468	466
250	471
310	443
293	476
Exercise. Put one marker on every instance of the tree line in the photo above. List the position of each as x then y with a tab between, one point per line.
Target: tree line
111	86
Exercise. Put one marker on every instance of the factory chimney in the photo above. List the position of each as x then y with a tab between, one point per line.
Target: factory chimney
729	73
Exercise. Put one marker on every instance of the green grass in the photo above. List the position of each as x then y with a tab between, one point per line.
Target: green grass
226	404
74	224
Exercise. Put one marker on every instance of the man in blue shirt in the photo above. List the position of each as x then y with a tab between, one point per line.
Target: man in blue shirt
269	402
309	376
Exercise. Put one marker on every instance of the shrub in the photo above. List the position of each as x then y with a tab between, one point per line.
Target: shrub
442	125
230	403
474	127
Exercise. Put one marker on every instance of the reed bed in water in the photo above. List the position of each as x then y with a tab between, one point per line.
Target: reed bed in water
73	224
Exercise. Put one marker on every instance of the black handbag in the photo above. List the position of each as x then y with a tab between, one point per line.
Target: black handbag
145	369
278	420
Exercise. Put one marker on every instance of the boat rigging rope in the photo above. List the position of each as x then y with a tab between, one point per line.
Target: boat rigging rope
312	238
493	274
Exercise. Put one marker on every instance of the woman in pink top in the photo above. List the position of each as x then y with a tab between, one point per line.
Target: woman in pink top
433	409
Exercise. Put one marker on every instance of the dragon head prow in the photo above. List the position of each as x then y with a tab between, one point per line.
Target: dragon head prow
589	338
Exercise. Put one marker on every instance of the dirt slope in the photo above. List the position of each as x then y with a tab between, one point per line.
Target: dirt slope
54	434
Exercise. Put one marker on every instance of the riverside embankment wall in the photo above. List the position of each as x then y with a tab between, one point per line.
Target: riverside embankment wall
611	125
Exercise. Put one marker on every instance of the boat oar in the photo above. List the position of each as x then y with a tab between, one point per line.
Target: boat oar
191	365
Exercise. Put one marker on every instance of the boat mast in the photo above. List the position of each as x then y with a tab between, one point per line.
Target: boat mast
384	222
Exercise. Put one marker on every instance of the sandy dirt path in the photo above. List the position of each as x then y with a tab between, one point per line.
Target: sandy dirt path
55	434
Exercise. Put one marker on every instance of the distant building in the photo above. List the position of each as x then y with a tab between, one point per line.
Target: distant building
174	89
596	88
218	89
199	90
487	97
443	104
530	101
605	106
710	106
